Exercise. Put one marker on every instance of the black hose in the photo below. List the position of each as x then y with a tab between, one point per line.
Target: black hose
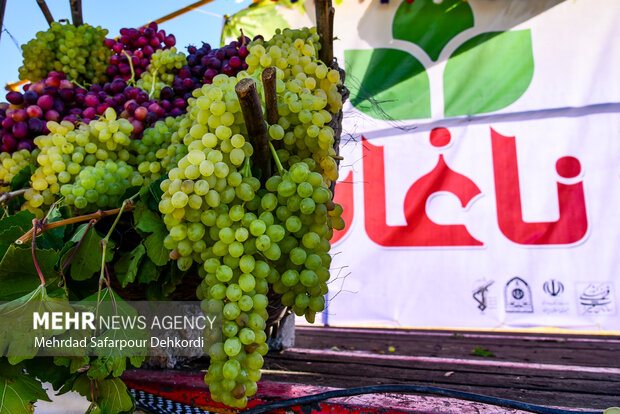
376	389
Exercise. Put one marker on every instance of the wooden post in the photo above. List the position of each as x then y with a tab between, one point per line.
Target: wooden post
271	100
2	7
325	28
76	12
46	11
255	124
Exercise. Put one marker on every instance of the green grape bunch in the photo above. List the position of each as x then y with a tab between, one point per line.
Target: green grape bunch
208	175
165	63
79	52
12	164
159	150
207	206
308	96
300	203
88	165
246	238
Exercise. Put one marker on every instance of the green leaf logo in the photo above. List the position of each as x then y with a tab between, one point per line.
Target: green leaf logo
394	84
447	19
485	74
507	70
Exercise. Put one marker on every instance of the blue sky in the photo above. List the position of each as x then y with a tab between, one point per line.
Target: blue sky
23	19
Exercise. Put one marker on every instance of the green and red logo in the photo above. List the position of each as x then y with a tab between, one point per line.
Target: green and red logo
485	73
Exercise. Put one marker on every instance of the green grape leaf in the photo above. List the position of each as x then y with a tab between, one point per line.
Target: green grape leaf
155	188
9	371
488	72
52	239
151	195
131	191
12	227
148	271
101	367
260	18
18	276
79	233
87	259
22	219
155	248
112	395
22	178
18	392
431	25
387	84
147	220
82	386
126	268
167	281
74	363
175	277
8	236
111	360
46	370
17	333
153	291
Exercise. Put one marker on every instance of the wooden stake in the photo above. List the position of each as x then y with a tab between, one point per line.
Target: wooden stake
46	11
2	7
271	100
330	25
255	124
336	122
76	12
325	28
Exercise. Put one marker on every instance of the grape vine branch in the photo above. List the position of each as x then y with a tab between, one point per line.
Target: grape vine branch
97	216
4	197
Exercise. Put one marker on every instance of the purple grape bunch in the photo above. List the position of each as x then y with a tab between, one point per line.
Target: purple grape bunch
139	44
55	98
50	99
204	63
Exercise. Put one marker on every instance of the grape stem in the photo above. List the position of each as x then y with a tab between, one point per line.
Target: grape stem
281	169
104	245
153	84
246	171
35	224
98	215
133	73
78	84
4	197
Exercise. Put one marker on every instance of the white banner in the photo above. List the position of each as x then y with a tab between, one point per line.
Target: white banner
481	181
